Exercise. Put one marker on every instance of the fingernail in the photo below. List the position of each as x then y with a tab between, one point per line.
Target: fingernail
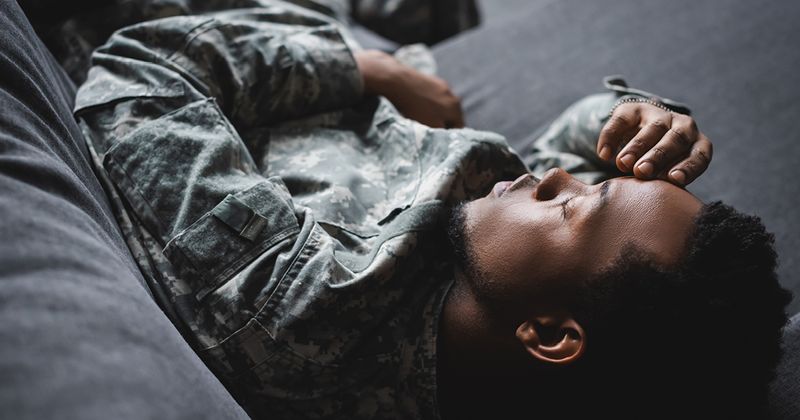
678	176
646	169
628	160
605	153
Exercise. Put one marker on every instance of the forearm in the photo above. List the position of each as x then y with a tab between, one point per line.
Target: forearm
421	97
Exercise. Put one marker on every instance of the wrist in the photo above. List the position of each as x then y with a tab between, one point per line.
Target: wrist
380	72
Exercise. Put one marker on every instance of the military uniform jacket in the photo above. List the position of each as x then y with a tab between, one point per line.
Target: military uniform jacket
290	227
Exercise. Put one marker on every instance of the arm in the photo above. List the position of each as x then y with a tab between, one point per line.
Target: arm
261	65
418	96
640	137
570	141
165	100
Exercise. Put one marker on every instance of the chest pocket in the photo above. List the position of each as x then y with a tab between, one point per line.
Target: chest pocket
240	228
191	183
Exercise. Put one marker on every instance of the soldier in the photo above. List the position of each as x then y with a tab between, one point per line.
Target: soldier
331	258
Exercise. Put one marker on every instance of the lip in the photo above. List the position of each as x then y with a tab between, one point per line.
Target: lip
505	186
501	187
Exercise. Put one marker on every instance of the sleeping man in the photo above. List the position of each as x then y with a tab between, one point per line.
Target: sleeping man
330	256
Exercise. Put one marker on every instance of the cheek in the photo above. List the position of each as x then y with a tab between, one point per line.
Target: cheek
514	246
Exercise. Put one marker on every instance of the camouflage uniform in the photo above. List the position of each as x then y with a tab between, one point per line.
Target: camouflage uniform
290	227
404	21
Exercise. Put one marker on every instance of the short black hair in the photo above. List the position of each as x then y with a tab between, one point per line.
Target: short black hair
704	335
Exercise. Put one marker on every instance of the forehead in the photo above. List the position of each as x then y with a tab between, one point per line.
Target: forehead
655	215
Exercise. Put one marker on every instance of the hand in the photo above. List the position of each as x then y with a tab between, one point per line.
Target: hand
655	143
417	96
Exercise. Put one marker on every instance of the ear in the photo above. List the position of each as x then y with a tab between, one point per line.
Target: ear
557	339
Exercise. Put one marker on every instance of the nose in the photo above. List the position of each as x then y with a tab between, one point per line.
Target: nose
554	183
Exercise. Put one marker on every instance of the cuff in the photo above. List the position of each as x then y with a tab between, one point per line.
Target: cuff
617	84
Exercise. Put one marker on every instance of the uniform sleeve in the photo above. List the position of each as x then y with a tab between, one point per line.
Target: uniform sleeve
164	103
570	141
261	66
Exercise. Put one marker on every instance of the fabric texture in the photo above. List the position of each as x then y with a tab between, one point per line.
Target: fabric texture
72	32
81	337
296	228
784	397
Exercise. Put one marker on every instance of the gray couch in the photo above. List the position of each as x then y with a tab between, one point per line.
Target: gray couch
80	337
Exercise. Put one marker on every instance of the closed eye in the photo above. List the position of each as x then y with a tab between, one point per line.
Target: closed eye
564	207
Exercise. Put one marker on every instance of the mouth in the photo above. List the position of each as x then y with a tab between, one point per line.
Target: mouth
507	186
501	187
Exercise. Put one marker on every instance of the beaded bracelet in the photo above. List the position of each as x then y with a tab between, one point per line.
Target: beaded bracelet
637	99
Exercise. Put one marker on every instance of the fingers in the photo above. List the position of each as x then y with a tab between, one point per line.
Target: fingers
688	169
643	141
618	130
675	144
655	144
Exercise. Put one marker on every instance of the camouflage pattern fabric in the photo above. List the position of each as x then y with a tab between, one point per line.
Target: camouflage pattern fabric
291	228
570	141
405	21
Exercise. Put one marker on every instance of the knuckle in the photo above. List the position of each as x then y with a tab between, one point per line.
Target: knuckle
659	124
681	138
619	120
680	132
702	156
637	144
681	118
659	153
693	124
611	129
626	108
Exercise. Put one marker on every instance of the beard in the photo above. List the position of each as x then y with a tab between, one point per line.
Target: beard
465	260
464	256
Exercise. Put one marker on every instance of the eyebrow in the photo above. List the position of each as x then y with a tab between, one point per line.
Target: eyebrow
603	199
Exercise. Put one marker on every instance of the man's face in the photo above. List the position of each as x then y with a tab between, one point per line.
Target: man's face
531	242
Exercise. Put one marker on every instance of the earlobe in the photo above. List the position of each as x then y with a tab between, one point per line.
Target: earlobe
553	339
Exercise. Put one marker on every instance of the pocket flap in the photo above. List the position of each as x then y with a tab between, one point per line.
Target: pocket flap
236	231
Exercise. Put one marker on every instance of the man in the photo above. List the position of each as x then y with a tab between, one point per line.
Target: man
295	228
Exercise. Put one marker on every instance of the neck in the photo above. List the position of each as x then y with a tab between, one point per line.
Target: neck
479	360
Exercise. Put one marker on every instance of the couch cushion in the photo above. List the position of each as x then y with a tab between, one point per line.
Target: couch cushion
81	337
784	397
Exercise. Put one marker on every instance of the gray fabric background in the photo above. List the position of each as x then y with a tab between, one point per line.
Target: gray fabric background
734	62
80	338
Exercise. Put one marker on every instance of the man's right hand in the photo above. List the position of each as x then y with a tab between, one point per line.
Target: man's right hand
418	96
654	143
